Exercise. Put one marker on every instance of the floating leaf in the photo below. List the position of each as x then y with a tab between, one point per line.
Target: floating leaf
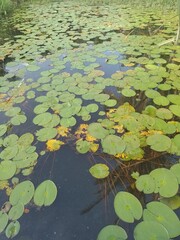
161	100
164	113
7	169
33	68
175	99
45	194
16	211
150	230
127	207
82	146
128	92
176	170
12	229
18	119
160	213
97	131
45	134
92	108
175	109
3	221
110	102
159	142
42	119
146	184
22	193
3	129
166	182
99	171
112	232
113	144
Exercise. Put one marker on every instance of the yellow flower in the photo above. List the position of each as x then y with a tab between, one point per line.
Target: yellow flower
62	131
53	145
94	147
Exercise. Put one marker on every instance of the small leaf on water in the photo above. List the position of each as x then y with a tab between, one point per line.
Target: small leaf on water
99	171
112	232
12	229
45	194
127	207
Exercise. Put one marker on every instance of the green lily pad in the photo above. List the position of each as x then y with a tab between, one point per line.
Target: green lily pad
99	171
26	139
9	152
175	109
13	111
45	134
3	221
112	232
150	230
82	146
166	182
158	142
96	130
7	169
164	113
128	92
127	207
18	119
33	68
3	129
22	193
92	108
42	119
176	171
12	229
161	213
113	144
45	194
10	140
16	211
161	100
175	99
146	184
110	102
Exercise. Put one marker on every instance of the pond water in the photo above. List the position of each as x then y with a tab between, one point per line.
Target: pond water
89	99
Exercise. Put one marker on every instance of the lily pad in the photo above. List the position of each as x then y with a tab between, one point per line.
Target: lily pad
166	182
16	211
99	171
146	184
12	229
113	144
161	213
45	134
150	230
127	207
112	232
161	100
3	221
96	130
175	109
3	129
7	169
45	194
22	193
82	146
158	142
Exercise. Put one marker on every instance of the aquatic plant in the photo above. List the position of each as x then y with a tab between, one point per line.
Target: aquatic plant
110	89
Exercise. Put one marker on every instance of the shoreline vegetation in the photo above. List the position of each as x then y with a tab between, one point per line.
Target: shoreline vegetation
7	6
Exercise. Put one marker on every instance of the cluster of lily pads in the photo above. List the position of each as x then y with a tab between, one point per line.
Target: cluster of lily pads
103	78
21	195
